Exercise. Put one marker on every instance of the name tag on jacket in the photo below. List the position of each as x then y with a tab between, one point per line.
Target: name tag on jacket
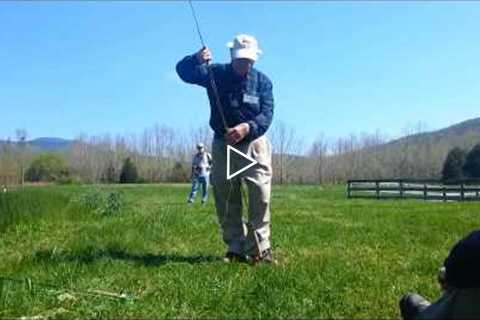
250	99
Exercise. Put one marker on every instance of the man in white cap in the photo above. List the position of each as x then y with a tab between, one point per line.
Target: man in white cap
201	165
240	118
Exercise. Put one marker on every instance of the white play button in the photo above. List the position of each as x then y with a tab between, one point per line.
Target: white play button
243	168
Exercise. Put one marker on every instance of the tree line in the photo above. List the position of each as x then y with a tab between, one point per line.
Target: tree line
163	154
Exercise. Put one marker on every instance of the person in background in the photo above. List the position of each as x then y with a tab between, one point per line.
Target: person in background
201	166
460	283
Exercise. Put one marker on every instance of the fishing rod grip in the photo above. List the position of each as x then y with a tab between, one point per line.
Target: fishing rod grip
208	62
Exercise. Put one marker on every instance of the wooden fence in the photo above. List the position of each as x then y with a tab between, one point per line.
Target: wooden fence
458	190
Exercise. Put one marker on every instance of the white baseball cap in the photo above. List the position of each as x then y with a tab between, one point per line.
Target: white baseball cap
244	46
200	145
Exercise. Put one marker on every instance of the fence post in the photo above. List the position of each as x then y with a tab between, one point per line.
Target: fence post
401	189
348	189
444	193
462	192
377	189
425	190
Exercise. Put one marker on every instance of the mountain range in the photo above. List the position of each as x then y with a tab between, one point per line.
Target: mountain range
47	144
461	134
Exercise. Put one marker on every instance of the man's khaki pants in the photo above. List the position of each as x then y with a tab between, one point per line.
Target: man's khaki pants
228	195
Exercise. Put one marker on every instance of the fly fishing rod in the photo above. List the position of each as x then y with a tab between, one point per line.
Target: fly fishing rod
213	84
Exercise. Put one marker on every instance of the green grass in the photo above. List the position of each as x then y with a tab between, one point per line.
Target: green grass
338	258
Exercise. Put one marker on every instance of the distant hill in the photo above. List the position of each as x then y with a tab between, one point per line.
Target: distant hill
47	144
51	144
419	155
462	134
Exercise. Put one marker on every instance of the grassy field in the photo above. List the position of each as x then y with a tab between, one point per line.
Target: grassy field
141	252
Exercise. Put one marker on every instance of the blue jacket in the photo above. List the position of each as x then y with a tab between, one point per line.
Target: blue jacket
243	99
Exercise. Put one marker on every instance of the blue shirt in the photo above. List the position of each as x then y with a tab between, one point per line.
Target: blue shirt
243	99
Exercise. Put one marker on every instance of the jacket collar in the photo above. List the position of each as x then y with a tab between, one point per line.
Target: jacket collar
237	77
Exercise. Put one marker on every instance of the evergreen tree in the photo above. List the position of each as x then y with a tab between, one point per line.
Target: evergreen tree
179	173
453	165
471	168
129	172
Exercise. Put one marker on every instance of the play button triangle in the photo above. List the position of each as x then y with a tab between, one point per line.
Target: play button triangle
230	151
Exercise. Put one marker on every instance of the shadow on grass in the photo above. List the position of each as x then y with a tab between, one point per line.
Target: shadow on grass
90	255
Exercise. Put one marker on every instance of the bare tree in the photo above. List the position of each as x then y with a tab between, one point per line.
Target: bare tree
286	147
318	152
201	134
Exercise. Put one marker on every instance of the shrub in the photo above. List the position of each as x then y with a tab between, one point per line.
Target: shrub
179	173
47	167
101	202
70	180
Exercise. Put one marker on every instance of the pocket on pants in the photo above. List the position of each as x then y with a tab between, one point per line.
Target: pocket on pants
260	150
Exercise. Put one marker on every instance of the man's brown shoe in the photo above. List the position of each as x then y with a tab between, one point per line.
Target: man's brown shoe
265	257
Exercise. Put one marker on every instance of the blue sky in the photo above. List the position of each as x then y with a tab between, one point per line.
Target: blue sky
337	67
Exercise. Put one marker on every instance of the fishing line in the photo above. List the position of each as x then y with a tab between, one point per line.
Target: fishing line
58	289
